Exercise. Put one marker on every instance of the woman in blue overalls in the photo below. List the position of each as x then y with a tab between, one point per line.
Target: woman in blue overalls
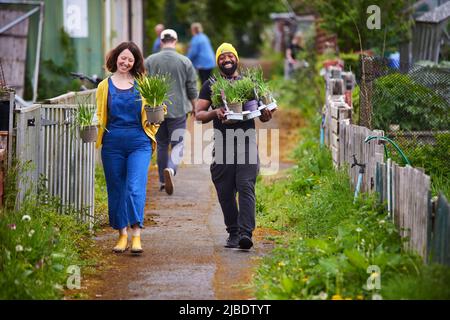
127	143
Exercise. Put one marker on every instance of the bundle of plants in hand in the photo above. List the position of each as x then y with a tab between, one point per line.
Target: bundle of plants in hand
155	92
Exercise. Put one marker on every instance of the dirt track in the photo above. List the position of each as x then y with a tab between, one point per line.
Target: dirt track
184	256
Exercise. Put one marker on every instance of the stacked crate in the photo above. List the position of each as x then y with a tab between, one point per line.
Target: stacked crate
337	110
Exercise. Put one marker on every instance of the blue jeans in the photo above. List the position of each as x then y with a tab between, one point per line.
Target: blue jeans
126	155
171	132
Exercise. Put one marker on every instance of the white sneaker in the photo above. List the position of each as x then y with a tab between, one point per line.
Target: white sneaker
168	181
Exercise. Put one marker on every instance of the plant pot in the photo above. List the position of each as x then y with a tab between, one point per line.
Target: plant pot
251	105
266	99
235	107
155	114
88	134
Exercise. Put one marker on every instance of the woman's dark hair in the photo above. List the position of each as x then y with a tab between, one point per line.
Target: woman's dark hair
113	55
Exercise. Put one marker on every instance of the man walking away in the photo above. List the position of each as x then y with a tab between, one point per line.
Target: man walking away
183	95
201	53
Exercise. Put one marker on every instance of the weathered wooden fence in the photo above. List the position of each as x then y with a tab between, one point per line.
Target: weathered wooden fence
87	96
405	190
49	146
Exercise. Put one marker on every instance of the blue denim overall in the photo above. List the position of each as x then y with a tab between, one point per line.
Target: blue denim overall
126	155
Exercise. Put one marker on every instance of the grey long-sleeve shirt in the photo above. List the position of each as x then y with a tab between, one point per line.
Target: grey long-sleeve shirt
183	77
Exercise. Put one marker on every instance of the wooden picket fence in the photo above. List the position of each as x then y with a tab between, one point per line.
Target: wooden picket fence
406	191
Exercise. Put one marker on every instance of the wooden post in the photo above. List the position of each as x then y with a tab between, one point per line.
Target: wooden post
365	95
3	157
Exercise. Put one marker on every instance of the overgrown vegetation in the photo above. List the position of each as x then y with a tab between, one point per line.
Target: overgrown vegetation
414	107
399	101
40	248
327	242
433	157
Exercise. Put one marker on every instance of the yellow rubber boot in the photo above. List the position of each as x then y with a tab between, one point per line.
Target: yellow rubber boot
121	245
136	244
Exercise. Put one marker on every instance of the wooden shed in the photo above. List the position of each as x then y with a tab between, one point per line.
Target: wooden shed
429	32
94	27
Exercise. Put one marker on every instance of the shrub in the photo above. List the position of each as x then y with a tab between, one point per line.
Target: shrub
37	245
399	100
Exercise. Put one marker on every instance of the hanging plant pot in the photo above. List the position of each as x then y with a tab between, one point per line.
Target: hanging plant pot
155	114
251	105
88	134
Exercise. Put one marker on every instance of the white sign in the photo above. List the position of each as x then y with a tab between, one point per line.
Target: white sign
76	18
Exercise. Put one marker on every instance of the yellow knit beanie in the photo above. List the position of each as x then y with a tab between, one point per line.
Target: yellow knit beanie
224	48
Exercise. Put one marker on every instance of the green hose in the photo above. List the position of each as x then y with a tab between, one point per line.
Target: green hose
385	149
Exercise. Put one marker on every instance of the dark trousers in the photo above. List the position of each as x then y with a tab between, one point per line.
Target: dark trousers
171	133
240	179
204	74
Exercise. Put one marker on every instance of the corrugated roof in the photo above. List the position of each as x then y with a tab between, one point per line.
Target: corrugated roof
437	15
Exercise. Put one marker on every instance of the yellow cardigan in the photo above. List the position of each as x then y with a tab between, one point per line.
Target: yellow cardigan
102	114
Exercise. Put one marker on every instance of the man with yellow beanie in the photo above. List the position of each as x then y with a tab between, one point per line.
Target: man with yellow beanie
235	163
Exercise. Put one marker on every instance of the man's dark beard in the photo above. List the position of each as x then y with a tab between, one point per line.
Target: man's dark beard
228	71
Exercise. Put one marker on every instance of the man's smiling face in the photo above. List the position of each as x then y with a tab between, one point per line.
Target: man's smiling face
227	63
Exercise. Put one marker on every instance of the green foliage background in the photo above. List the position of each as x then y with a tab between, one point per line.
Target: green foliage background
340	17
238	22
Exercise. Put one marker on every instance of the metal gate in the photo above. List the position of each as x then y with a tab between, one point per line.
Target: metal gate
46	143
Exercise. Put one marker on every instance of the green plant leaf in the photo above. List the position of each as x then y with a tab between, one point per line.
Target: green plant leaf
356	258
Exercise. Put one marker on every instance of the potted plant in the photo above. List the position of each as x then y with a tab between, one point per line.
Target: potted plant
247	88
220	84
155	92
235	97
83	120
231	91
262	87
